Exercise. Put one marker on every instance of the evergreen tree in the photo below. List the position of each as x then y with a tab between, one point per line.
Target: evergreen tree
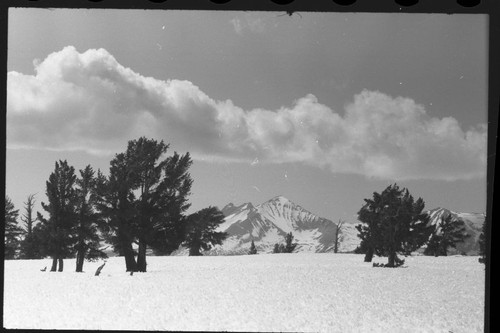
450	232
144	199
12	230
116	204
433	246
29	245
88	219
369	231
162	202
57	232
253	249
200	230
482	243
393	223
288	247
289	244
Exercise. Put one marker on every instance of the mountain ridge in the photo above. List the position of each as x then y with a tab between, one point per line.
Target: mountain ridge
267	224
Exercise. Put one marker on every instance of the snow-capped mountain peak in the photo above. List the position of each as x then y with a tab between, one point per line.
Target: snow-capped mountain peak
267	224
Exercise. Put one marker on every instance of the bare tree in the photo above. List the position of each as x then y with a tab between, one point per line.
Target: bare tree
28	218
99	269
338	235
29	245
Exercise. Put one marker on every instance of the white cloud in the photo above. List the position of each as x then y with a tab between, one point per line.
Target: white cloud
89	101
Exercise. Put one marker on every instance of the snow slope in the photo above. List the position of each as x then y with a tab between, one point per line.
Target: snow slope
300	292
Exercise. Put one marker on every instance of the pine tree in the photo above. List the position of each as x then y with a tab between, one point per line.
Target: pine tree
369	233
289	244
88	219
200	230
29	245
433	246
393	223
288	247
116	204
12	230
450	232
253	249
57	231
144	200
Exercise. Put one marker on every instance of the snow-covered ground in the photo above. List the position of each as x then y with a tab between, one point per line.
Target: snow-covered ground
270	292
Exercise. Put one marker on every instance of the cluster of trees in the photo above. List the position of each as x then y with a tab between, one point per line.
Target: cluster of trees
288	247
142	201
22	241
393	223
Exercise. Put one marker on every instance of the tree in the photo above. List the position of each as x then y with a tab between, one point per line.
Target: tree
289	244
12	230
450	232
144	199
253	249
116	203
200	230
338	236
392	223
88	219
433	246
288	247
164	186
482	243
29	245
57	232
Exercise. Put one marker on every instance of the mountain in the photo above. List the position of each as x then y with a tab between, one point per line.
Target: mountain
268	223
473	223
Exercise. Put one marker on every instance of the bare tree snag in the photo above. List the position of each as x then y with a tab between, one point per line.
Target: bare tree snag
99	269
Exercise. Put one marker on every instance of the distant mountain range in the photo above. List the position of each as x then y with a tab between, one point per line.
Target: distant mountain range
268	223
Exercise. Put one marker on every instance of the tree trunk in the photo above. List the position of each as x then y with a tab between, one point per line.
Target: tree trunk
392	259
444	251
194	251
337	238
128	253
80	257
141	257
54	265
61	265
369	254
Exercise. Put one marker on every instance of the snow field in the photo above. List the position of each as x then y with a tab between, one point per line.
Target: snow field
269	292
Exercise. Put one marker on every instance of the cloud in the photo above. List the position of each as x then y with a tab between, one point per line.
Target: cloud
248	23
88	101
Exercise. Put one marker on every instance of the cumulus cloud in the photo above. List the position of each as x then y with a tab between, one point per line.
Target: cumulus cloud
88	101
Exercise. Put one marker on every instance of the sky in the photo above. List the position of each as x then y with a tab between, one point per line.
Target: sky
322	108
